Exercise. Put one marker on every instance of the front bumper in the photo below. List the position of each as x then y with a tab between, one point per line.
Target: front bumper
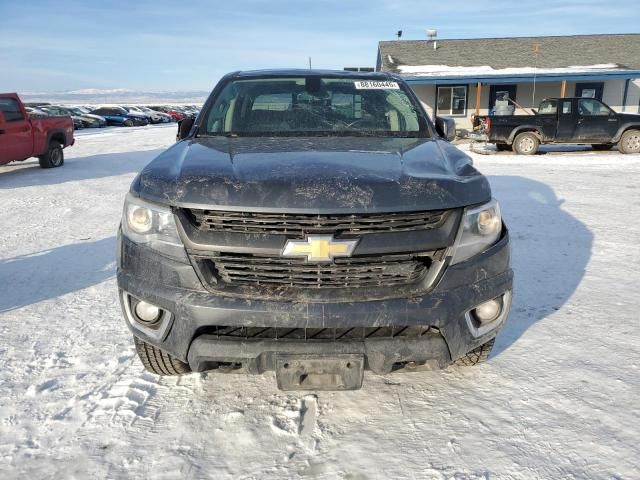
174	286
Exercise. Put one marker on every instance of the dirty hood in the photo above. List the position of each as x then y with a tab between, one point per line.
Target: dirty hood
337	174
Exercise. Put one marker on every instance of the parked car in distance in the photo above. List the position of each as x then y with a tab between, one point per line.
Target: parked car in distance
314	223
97	120
175	114
153	118
88	121
35	112
166	118
120	117
53	111
23	136
565	120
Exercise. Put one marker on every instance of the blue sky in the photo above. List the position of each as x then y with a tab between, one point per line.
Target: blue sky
187	45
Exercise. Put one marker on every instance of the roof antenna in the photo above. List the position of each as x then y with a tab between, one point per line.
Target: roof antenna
536	52
399	34
432	34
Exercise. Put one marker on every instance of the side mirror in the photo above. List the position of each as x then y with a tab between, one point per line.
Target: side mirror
446	128
184	127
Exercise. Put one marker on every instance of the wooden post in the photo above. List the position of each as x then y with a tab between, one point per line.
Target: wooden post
478	92
563	89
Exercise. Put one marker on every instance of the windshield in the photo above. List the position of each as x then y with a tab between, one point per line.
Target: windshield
312	106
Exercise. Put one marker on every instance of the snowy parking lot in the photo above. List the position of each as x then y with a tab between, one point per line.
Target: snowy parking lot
557	399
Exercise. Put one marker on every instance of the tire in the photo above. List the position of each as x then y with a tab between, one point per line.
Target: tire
476	356
128	123
503	147
54	156
630	142
526	144
159	362
601	147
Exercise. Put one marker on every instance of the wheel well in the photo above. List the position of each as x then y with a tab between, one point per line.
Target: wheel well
533	130
58	137
630	127
624	129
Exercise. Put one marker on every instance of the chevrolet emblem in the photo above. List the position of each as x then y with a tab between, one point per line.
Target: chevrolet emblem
319	248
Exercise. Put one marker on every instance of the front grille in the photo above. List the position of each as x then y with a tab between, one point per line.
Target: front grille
317	334
299	225
353	272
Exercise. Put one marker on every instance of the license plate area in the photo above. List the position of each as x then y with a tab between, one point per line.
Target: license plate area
319	372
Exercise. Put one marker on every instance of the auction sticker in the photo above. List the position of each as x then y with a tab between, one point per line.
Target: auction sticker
376	85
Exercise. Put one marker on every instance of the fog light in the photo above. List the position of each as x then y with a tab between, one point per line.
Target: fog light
147	312
488	311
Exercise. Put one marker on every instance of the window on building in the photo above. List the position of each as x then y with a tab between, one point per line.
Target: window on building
590	90
452	100
502	96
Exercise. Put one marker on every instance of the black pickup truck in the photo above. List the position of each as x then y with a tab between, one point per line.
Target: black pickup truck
318	224
565	120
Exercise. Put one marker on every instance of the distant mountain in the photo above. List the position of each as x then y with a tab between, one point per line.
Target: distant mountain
115	95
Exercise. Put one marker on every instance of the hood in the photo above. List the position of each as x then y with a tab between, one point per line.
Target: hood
313	175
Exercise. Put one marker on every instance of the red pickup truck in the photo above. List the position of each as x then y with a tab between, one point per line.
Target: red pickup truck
22	137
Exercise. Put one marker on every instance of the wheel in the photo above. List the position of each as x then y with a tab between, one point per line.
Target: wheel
630	142
54	156
128	123
503	147
526	144
601	147
159	362
476	356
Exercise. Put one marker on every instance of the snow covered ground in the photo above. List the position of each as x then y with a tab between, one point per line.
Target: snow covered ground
558	398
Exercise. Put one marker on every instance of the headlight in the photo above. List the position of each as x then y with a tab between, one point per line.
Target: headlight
151	224
481	227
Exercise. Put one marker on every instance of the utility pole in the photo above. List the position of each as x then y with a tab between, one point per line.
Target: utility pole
309	63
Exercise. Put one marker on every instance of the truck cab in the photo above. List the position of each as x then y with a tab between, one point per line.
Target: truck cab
581	119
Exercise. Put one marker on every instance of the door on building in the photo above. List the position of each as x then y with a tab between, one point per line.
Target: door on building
590	90
501	93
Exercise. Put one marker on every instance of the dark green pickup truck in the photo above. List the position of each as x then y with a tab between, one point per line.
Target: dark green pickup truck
565	120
